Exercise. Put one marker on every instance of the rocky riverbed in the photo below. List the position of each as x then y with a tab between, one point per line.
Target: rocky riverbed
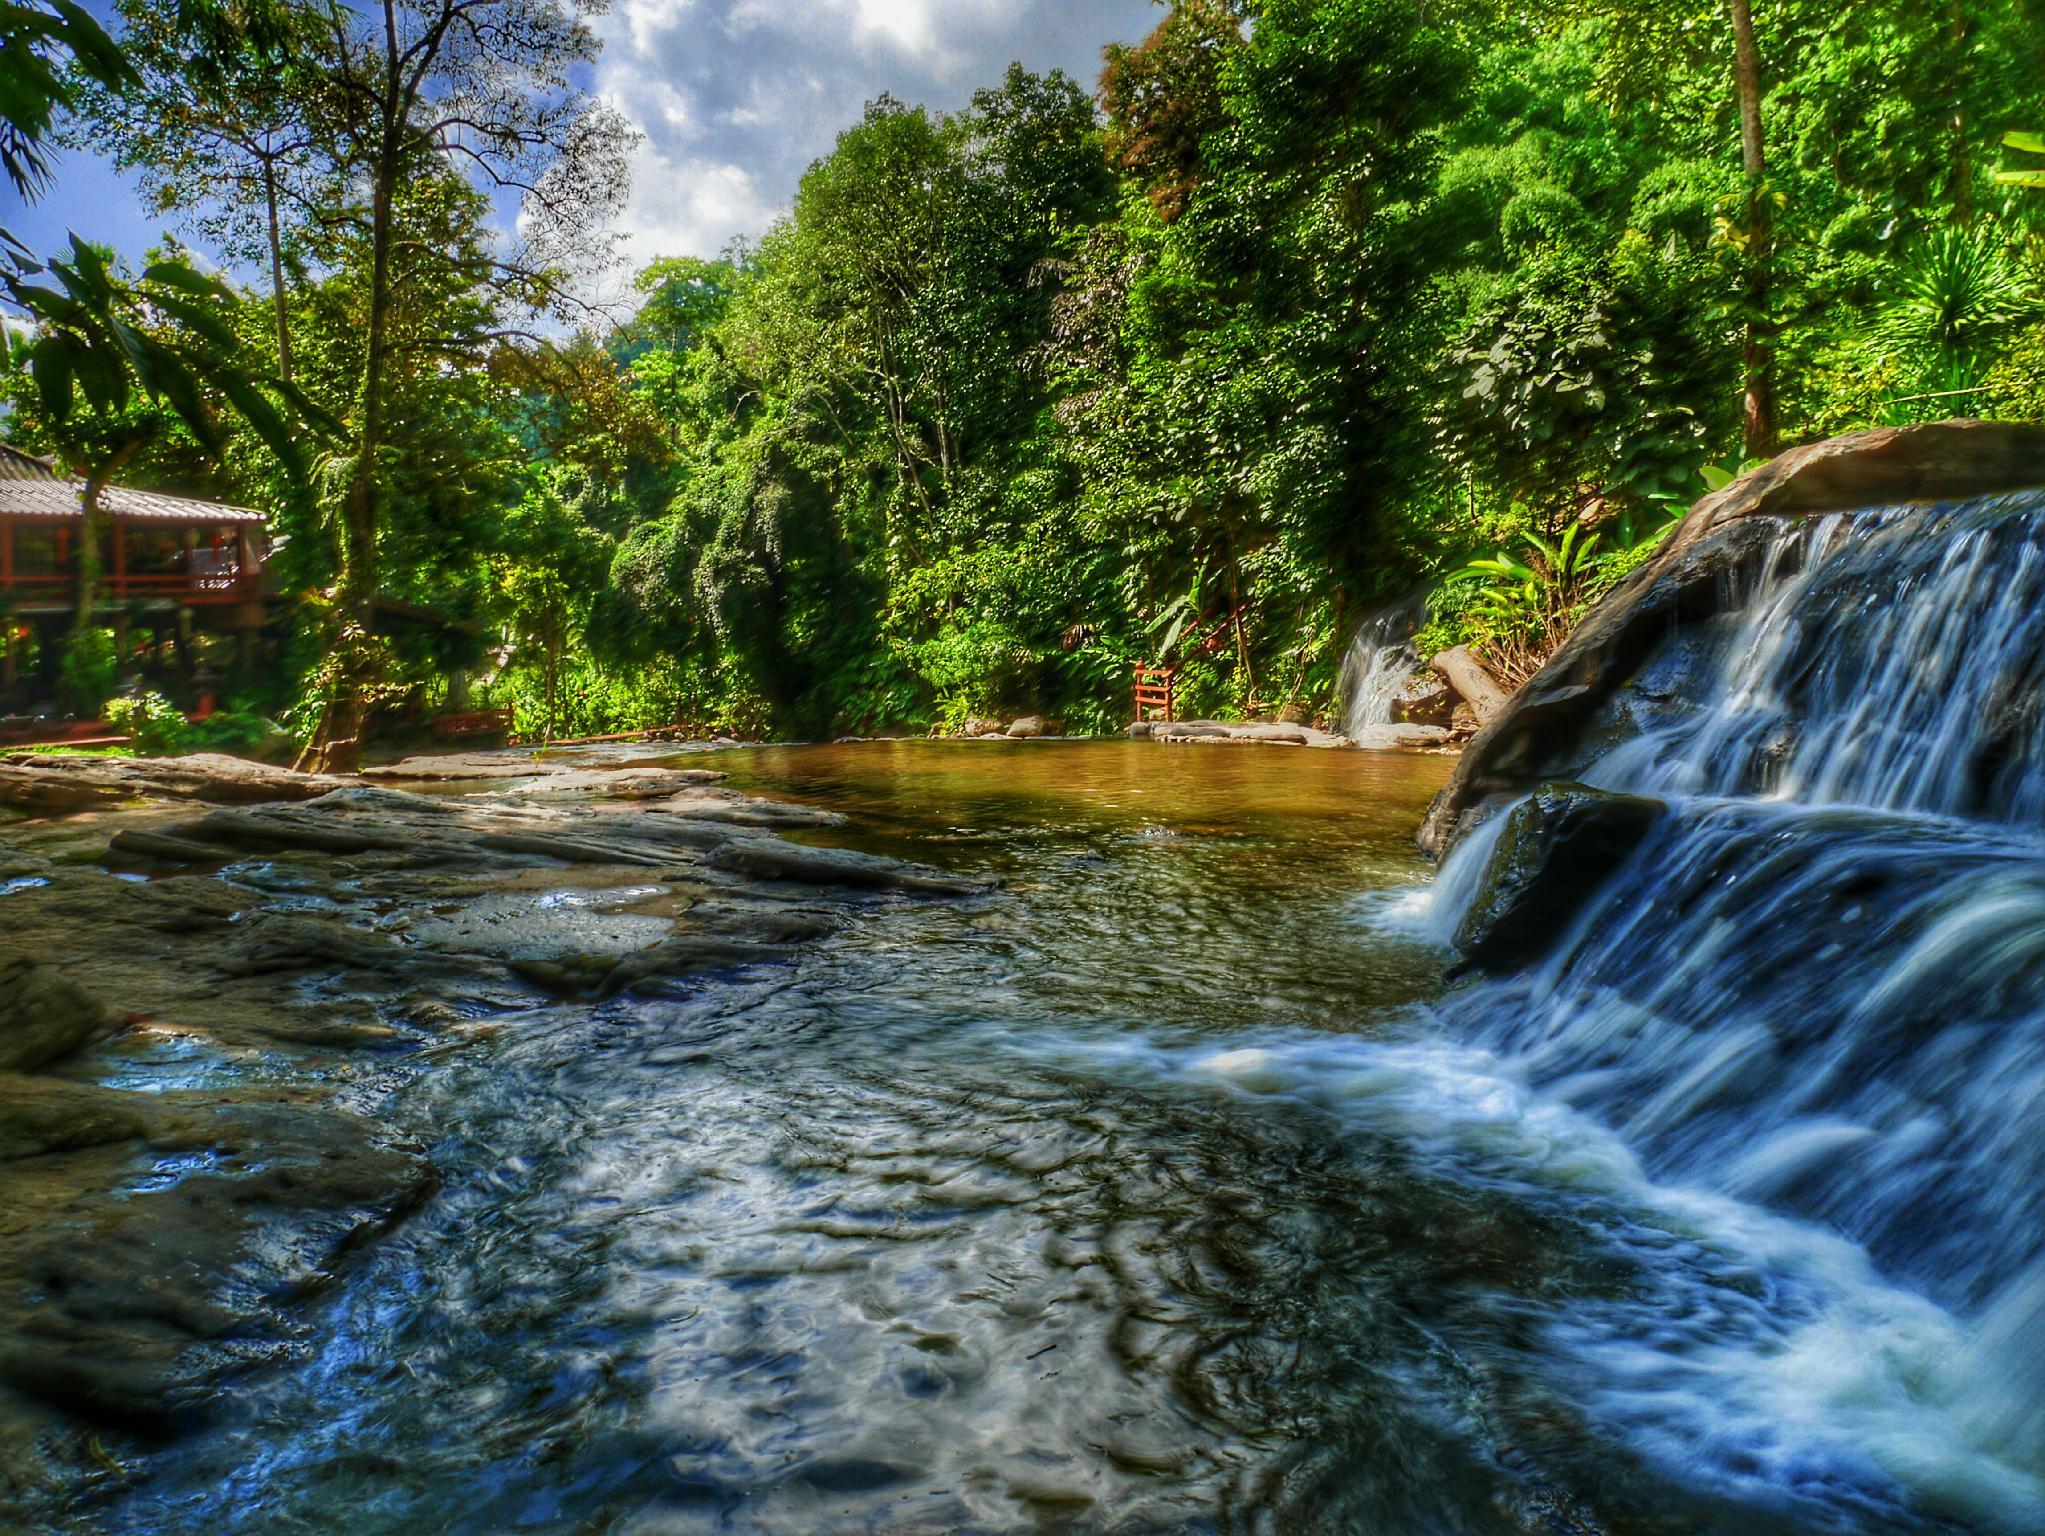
213	977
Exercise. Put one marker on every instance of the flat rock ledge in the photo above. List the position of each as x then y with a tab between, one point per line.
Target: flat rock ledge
1277	734
48	784
193	977
1581	703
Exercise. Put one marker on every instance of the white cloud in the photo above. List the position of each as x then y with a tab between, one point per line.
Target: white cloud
737	97
689	207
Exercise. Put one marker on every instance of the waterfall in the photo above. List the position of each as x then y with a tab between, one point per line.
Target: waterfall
1815	998
1377	664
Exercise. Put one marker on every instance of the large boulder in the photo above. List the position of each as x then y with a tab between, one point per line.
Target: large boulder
1568	713
1557	847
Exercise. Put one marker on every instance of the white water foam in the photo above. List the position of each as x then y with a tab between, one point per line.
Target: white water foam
1763	1357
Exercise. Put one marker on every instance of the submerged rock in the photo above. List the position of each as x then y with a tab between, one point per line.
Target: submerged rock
775	860
1557	847
1588	698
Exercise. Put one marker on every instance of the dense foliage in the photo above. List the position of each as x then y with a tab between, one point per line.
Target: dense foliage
1313	302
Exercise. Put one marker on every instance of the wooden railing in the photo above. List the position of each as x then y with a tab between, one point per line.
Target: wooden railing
1156	688
203	586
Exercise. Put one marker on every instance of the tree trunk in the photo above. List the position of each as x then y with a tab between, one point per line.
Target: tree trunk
1962	187
1758	411
336	745
277	300
91	521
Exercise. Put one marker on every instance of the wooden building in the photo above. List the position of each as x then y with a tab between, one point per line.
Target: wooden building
171	564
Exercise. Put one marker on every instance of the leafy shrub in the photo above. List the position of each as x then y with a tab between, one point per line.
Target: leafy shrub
154	726
87	674
243	733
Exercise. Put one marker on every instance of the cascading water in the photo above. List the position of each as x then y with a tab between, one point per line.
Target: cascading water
1377	664
1812	1006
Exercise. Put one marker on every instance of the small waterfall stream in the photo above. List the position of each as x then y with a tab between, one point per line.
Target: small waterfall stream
1377	664
1812	1007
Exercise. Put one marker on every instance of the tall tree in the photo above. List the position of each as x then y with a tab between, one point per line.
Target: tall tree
426	89
1758	427
221	122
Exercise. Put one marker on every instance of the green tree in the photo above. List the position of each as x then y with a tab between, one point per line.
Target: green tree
425	91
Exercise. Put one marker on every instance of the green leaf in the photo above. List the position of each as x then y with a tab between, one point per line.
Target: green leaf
100	56
101	376
209	323
183	276
50	361
175	382
265	420
1716	477
2029	143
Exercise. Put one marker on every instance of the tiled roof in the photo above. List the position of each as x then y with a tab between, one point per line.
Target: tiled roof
16	465
31	487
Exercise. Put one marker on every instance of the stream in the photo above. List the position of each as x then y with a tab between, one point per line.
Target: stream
1158	1191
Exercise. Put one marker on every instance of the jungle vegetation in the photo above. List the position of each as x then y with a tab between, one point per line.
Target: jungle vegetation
1301	306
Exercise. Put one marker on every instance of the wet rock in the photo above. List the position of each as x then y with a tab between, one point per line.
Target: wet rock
43	1114
127	1312
1558	846
61	785
1396	737
138	846
1936	461
1138	730
1426	701
977	727
467	768
1028	726
151	1241
684	955
764	923
745	811
643	783
1271	733
1666	605
277	831
772	860
44	1016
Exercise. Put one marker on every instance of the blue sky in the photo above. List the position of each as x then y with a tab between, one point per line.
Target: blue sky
735	98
